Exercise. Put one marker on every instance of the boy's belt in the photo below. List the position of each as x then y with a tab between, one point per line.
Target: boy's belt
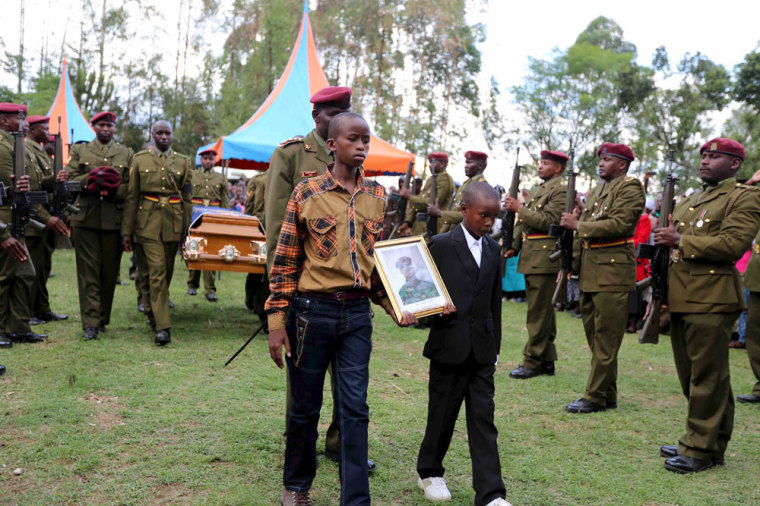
605	244
206	202
336	296
162	199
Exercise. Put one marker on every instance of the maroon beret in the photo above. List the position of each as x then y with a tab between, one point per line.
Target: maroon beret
11	108
555	156
338	95
33	120
725	146
103	178
207	152
619	150
51	138
438	155
476	155
103	116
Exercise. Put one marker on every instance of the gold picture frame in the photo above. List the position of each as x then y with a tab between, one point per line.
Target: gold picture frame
410	277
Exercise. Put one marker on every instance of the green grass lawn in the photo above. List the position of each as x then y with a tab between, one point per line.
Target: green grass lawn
119	420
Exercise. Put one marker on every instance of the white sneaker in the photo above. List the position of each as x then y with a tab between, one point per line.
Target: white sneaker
499	502
435	488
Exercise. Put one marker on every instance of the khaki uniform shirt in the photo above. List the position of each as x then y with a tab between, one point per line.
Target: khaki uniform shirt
452	216
716	225
158	206
96	211
210	189
293	161
542	207
752	273
255	196
327	243
418	203
604	239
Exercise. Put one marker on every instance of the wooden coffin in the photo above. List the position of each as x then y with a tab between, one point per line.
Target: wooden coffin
226	242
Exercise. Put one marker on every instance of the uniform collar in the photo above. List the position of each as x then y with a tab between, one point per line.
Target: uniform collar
730	181
551	181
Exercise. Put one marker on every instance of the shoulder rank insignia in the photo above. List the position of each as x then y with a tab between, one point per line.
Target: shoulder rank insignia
297	138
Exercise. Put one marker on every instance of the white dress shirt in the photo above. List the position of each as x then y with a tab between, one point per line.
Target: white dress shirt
475	245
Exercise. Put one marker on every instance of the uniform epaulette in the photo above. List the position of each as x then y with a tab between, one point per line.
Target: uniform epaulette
748	187
144	152
297	138
182	156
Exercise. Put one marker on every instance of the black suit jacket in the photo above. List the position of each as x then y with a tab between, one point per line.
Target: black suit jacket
476	293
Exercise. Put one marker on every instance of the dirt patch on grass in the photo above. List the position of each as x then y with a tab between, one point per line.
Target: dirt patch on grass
107	413
172	493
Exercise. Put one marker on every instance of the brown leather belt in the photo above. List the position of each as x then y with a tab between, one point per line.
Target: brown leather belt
337	296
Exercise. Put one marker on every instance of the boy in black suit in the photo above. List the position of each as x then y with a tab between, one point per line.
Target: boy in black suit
463	347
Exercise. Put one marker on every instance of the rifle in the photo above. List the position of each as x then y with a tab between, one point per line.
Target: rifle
22	212
401	201
64	192
564	235
432	221
508	221
660	258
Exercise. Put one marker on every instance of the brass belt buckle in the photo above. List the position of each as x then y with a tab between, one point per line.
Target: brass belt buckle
206	202
676	255
756	248
163	200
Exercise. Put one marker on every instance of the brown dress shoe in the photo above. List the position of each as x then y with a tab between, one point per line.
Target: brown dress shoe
293	498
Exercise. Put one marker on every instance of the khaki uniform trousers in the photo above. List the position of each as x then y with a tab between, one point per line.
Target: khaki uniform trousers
16	278
155	259
39	252
604	315
97	257
753	337
194	278
541	322
700	350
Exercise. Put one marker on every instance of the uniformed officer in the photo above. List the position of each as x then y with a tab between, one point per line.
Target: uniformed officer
709	231
102	166
413	289
543	207
293	161
607	266
209	189
41	243
299	158
752	283
16	269
257	285
416	210
475	163
255	196
157	214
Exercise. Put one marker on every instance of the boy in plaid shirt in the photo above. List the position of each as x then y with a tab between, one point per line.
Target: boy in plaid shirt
324	274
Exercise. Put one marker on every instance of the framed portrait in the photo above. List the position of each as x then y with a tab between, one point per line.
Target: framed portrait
410	277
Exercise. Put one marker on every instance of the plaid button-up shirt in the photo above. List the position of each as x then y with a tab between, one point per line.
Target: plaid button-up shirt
327	242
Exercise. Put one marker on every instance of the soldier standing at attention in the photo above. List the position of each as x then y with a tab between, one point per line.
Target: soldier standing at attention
543	207
709	231
475	163
16	269
752	283
209	189
607	267
157	214
255	195
41	243
102	166
293	161
416	212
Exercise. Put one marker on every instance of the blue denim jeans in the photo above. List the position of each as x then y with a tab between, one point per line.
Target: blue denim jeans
743	318
323	332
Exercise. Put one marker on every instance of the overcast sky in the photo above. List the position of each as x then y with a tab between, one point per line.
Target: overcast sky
724	31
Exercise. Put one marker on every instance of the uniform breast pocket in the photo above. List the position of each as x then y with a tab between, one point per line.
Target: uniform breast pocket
149	179
370	233
323	231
